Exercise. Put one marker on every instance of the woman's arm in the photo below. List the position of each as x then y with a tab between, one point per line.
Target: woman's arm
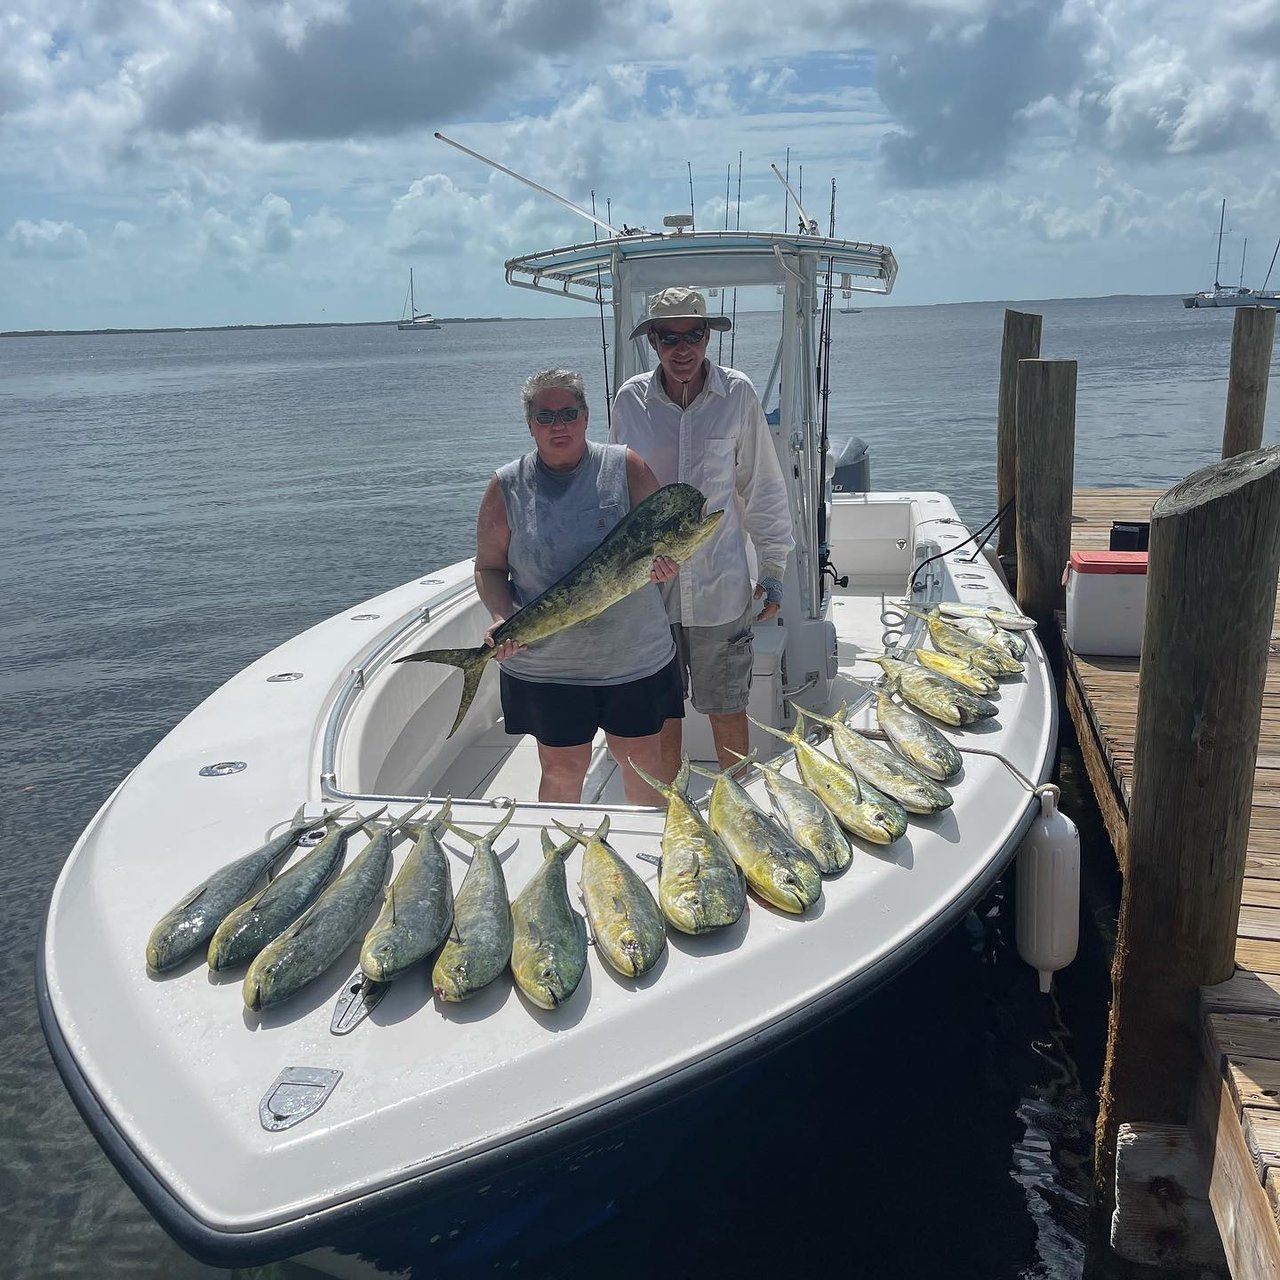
493	573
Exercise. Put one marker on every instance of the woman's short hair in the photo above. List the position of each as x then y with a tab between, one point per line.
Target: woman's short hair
554	379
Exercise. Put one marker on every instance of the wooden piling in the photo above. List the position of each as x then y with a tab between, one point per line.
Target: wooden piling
1046	436
1214	555
1252	338
1021	342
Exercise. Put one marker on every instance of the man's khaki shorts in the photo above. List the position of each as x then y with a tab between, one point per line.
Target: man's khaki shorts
716	661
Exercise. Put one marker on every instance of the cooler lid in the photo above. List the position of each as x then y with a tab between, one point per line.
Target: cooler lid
1109	561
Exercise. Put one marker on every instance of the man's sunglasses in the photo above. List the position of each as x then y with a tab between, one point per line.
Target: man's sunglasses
545	417
691	338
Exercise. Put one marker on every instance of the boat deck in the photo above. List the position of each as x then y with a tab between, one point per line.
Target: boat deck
1242	1015
498	765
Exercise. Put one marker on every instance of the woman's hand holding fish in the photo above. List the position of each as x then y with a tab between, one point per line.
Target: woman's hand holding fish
664	569
508	648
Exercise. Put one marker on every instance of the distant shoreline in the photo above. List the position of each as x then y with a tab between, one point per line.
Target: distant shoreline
875	305
230	328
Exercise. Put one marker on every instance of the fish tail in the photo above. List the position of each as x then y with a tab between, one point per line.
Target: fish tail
578	836
550	849
662	788
768	728
470	662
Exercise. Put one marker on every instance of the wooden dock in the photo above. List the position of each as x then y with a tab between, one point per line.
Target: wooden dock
1238	1121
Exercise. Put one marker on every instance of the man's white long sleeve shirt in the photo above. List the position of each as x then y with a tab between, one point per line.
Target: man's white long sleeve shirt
720	444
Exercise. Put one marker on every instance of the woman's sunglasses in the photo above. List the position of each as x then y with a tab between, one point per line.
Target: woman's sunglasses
691	338
545	417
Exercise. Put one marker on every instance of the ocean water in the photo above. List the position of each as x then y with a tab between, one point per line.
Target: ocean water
174	505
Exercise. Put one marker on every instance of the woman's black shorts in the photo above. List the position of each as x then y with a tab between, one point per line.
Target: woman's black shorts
568	715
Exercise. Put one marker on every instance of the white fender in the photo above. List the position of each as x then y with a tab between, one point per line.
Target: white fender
1048	890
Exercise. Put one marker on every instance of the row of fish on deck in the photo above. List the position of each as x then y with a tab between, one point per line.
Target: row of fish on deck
294	929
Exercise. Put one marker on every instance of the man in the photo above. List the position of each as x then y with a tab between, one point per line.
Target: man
540	515
694	421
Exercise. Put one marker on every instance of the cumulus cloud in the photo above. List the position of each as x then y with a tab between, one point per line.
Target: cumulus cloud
273	224
374	69
961	90
46	239
1160	102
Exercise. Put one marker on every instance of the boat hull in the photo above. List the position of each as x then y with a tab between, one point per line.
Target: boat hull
437	1101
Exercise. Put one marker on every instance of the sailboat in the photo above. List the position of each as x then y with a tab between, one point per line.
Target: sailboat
411	317
1225	295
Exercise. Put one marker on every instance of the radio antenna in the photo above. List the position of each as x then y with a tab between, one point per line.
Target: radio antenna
528	182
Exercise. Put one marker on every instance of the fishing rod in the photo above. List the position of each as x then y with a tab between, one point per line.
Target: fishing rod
733	321
824	398
528	182
604	341
728	174
693	216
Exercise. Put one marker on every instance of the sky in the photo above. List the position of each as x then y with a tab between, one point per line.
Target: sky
213	162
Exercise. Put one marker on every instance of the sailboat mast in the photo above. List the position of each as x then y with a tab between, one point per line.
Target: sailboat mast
1217	266
1273	263
413	309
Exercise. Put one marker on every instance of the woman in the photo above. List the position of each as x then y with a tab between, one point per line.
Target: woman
540	516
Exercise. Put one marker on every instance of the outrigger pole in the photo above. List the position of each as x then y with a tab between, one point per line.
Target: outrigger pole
810	225
528	182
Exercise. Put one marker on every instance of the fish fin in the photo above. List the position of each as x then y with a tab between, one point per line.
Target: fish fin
391	899
441	820
471	662
506	817
535	934
551	850
579	836
621	907
662	788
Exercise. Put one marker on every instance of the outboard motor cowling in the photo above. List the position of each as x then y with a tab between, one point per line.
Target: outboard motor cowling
852	472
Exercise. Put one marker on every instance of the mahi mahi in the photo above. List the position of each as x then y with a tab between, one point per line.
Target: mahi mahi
700	887
1003	618
668	522
625	920
478	947
857	808
780	869
266	915
883	769
418	908
807	819
549	943
964	671
949	639
934	694
187	927
314	941
987	631
916	739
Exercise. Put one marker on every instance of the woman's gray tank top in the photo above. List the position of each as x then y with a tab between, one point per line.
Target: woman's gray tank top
556	520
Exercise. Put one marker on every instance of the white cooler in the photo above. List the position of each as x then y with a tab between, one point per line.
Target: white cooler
1106	602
